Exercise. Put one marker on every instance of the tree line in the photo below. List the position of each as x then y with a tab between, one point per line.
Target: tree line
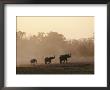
52	43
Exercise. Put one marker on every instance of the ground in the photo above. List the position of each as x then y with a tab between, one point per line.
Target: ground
70	68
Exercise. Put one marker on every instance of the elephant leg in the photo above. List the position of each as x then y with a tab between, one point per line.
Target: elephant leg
60	62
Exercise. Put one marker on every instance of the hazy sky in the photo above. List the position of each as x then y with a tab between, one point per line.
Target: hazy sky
70	27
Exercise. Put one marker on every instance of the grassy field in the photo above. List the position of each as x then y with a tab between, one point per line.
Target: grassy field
70	68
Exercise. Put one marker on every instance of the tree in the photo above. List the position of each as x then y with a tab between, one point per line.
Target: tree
20	34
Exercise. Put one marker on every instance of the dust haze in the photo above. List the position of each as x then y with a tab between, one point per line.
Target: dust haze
51	43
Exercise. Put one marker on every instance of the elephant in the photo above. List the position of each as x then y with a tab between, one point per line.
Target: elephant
48	60
33	61
63	58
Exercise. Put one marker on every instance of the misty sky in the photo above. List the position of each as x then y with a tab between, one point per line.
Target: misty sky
70	27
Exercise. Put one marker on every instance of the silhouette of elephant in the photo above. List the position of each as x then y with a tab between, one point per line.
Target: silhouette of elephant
48	60
33	61
63	58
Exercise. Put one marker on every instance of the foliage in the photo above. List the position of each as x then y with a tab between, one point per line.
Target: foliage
50	44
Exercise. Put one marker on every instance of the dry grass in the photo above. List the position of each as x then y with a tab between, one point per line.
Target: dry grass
70	68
